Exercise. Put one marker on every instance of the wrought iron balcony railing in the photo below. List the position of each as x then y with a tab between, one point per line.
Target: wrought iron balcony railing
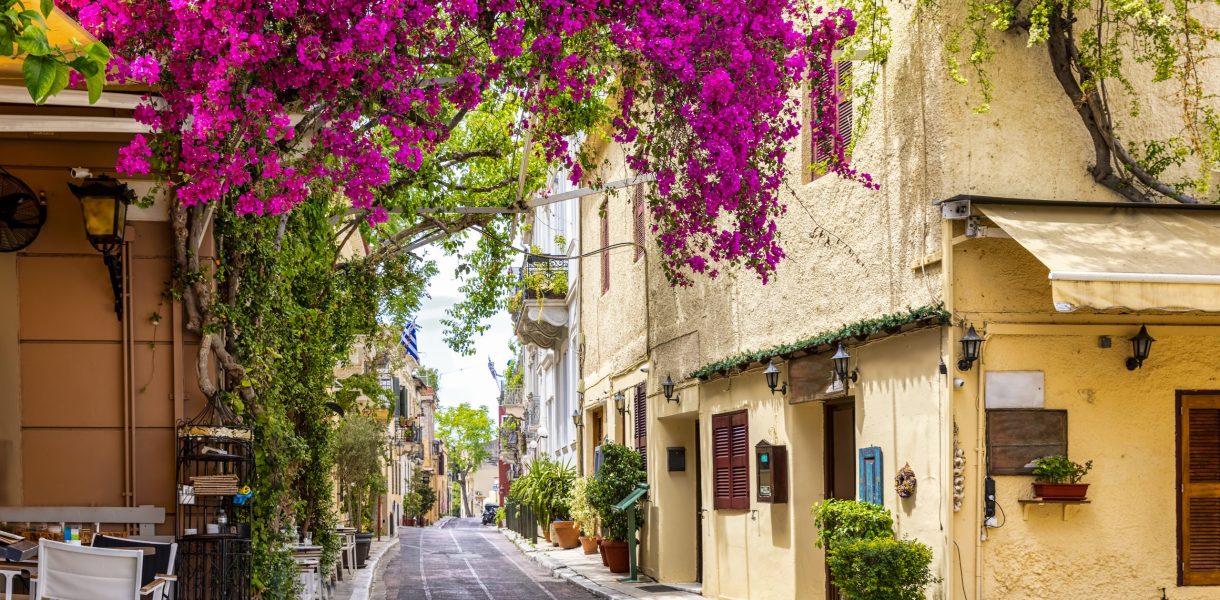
544	278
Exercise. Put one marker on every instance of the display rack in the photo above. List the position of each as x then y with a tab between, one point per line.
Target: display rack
215	565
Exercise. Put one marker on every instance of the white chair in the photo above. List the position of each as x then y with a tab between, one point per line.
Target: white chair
68	572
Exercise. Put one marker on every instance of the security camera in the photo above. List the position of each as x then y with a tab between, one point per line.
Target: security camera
81	173
959	382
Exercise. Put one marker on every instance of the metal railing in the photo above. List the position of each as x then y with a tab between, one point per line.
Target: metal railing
521	519
543	278
514	396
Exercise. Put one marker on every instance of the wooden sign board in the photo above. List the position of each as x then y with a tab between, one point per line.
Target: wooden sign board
1015	437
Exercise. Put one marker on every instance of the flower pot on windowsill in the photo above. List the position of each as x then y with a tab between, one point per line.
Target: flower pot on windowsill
616	556
567	534
1061	491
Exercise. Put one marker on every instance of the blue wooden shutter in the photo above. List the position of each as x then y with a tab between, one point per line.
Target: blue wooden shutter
870	475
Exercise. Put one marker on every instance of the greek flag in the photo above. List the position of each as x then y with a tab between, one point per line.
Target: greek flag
491	366
409	340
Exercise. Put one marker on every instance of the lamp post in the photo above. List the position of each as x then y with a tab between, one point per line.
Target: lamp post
103	204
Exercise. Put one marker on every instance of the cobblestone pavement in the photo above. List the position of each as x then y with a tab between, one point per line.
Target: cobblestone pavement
464	560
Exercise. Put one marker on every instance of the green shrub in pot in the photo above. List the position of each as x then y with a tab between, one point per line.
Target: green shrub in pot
621	471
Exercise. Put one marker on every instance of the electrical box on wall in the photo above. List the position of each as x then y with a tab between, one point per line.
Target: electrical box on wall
771	465
676	458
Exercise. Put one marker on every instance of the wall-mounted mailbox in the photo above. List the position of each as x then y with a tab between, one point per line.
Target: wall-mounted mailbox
771	464
677	458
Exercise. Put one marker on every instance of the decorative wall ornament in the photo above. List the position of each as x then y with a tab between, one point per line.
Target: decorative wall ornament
904	481
959	471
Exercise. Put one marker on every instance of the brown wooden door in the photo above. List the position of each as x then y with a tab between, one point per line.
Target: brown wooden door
1199	489
840	462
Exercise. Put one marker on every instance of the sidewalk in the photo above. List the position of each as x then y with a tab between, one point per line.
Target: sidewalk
360	586
586	571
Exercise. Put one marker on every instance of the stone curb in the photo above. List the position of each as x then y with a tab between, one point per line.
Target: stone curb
562	571
373	572
441	523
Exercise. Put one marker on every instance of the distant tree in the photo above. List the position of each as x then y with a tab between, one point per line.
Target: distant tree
430	376
467	431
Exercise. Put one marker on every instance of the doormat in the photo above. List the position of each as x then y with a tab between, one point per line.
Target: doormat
659	588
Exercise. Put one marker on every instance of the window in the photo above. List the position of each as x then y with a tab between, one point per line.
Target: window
731	460
640	204
823	149
1199	490
605	253
641	422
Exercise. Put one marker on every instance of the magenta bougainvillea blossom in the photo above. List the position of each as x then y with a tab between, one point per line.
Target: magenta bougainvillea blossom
261	103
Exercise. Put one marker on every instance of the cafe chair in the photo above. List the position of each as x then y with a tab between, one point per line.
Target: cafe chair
160	562
69	572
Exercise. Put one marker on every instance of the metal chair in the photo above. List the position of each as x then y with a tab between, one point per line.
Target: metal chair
69	572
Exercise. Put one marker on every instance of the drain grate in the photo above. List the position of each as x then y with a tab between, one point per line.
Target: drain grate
658	588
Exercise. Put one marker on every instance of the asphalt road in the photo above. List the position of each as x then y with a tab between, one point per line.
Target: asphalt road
467	561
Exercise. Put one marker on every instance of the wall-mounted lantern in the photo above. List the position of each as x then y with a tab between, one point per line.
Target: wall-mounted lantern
576	420
843	371
620	403
1141	346
103	204
667	389
772	375
971	344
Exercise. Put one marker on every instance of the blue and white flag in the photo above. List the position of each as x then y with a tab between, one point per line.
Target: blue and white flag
409	339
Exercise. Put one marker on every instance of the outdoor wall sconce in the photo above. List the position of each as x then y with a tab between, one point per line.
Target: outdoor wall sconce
667	390
772	374
971	344
840	360
576	420
103	205
620	403
1141	346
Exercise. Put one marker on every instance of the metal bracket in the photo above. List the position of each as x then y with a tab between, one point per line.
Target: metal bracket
114	264
975	229
955	210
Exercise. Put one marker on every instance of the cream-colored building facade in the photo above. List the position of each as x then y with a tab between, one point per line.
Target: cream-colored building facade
894	275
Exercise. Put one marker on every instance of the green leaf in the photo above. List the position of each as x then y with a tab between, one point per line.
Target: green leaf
95	83
47	7
98	51
32	16
39	73
33	41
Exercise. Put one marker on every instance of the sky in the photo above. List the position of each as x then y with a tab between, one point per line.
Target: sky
462	378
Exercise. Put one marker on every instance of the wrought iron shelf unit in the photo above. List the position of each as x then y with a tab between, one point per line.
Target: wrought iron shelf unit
213	566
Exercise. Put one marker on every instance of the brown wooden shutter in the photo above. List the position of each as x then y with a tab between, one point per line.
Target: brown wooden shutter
639	206
722	484
845	115
605	252
1199	508
641	422
740	460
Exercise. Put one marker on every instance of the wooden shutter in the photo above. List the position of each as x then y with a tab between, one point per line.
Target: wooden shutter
641	422
870	475
823	149
722	483
639	205
1199	499
605	252
740	460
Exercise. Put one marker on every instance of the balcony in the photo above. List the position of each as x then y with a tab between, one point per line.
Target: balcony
540	308
514	402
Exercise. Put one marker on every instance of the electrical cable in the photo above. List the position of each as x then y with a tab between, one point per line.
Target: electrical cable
960	572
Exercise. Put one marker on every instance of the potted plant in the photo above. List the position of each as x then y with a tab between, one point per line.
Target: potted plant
1057	478
621	471
545	488
360	442
865	559
584	513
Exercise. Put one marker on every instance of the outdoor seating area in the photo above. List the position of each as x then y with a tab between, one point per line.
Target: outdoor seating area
107	568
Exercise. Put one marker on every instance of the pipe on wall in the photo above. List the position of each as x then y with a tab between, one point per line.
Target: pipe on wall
128	417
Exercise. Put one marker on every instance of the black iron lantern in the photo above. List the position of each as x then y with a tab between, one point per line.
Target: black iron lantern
620	402
103	204
667	389
842	370
1141	346
971	344
772	375
576	420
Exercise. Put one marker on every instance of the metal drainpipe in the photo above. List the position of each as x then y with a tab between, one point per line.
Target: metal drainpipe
128	380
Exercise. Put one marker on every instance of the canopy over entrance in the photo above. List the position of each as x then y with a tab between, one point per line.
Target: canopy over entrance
1120	256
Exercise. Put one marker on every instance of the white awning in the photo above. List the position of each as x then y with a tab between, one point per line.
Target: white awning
1111	257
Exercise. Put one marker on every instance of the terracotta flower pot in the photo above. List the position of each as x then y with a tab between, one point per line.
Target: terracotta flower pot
601	548
1061	491
546	532
616	556
567	534
588	544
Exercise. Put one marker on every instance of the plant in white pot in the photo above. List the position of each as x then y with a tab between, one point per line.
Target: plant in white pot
1058	478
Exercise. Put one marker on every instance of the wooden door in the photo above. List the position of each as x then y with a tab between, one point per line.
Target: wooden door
840	462
1199	489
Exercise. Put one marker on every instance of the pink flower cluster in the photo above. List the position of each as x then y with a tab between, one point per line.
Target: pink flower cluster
705	91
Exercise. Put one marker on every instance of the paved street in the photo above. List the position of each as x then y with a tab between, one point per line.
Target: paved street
465	560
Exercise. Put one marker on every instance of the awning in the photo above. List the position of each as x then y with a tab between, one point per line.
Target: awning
1110	257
